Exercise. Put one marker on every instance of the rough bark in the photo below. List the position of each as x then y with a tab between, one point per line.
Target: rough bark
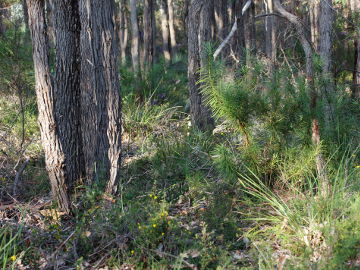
170	6
135	38
100	97
324	183
206	30
165	30
66	85
123	30
55	158
200	114
149	32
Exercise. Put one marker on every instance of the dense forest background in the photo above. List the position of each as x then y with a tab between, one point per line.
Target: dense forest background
179	134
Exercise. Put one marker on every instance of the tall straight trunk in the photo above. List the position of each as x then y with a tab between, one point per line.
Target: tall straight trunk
100	96
149	32
239	41
123	30
206	30
135	38
355	13
55	157
25	13
326	20
170	6
356	72
249	33
221	23
270	36
3	15
66	85
165	30
200	114
324	183
314	22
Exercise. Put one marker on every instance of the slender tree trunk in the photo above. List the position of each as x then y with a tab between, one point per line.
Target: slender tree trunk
249	33
66	85
238	48
123	30
101	103
170	6
270	36
55	157
165	30
221	23
25	12
325	186
314	22
355	13
149	32
356	73
200	114
325	50
135	38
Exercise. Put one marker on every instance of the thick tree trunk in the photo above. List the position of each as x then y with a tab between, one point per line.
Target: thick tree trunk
135	38
66	85
200	114
55	158
324	183
123	30
101	103
165	30
149	32
170	6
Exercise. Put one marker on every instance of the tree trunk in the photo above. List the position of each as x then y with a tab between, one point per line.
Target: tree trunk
249	33
101	102
66	85
165	30
170	6
314	22
355	13
200	114
324	182
325	50
135	38
356	73
149	32
238	48
221	22
270	36
123	30
55	158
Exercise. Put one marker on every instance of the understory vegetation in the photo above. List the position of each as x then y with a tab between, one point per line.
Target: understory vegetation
198	200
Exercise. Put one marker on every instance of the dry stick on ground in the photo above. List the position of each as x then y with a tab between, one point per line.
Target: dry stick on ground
324	184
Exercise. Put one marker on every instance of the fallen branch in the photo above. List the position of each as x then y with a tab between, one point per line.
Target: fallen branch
226	40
